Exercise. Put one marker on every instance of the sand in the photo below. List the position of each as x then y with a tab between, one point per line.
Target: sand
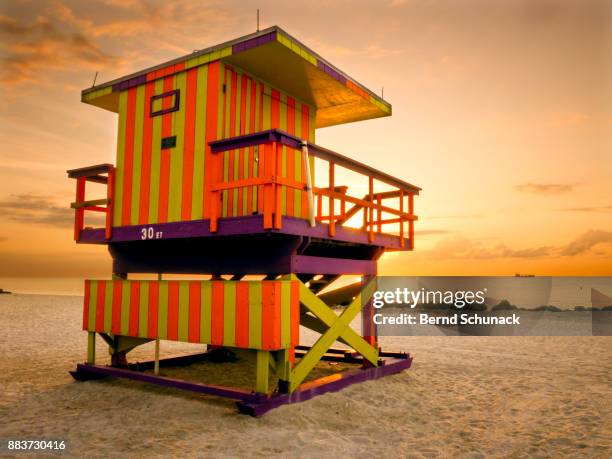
463	397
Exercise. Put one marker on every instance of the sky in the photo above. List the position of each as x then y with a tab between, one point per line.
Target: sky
502	114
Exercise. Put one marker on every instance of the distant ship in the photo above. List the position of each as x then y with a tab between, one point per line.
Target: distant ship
2	291
524	275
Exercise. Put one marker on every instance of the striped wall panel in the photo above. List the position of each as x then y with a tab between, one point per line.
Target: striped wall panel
155	185
245	314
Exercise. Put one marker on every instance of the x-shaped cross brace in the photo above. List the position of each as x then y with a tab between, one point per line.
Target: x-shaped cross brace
338	328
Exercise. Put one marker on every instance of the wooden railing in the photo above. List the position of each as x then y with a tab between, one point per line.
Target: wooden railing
339	206
93	174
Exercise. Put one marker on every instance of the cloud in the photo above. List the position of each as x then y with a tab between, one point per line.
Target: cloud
38	210
587	242
30	50
588	209
596	242
3	238
545	188
431	232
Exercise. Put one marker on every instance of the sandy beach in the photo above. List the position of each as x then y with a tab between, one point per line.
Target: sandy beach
463	397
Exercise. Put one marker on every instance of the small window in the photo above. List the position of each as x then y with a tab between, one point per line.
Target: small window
158	102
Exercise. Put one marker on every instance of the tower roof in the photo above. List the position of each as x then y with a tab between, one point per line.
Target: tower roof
277	58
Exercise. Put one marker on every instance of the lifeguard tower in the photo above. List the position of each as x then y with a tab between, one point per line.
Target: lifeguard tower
218	174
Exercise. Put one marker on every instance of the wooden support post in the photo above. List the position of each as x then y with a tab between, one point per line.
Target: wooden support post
379	212
215	195
371	209
156	364
79	213
332	218
278	189
401	223
262	371
268	188
110	195
91	348
369	329
411	222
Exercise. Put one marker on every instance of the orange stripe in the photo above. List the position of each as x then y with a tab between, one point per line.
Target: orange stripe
190	119
147	139
128	164
232	133
212	95
194	311
290	155
134	306
86	305
216	321
260	188
164	178
251	150
153	309
242	314
305	135
100	306
116	319
243	123
173	306
270	311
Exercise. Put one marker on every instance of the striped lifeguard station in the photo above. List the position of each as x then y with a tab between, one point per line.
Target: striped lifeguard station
218	176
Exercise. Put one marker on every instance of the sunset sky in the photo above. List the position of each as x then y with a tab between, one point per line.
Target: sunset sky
502	113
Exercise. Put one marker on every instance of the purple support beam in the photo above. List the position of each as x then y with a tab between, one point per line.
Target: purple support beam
233	226
83	370
327	265
332	383
252	403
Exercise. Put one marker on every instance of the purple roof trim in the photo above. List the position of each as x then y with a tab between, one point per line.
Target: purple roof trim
253	42
331	72
130	83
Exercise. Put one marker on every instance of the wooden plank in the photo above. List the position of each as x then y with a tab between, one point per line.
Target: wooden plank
177	154
189	143
147	144
173	310
255	314
162	321
229	313
128	165
197	201
195	305
205	312
183	312
139	108
134	307
100	306
156	155
89	171
242	314
125	308
118	204
92	202
143	310
116	316
153	315
216	326
167	129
